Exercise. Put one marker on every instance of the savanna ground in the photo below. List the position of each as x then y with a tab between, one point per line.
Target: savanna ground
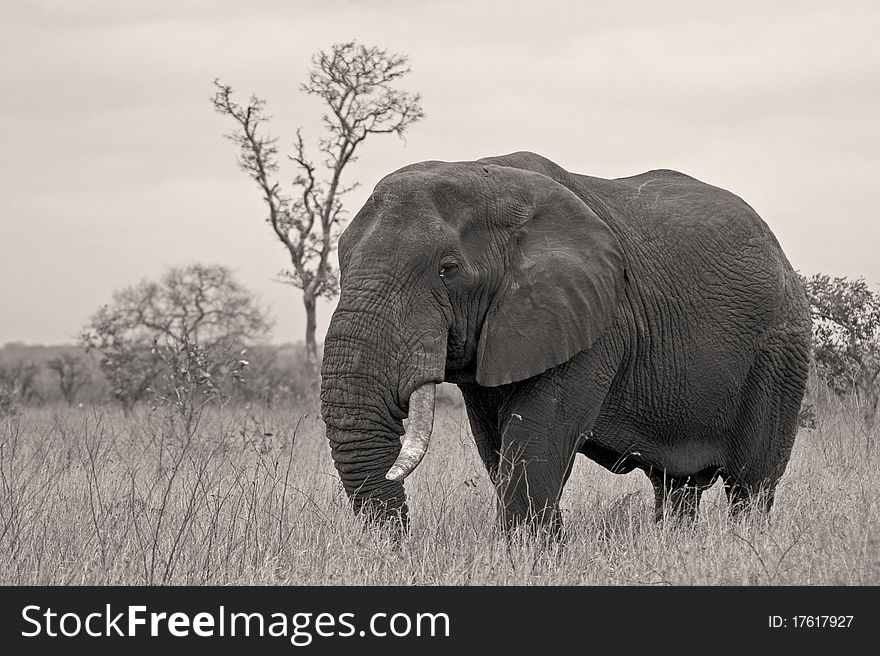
250	496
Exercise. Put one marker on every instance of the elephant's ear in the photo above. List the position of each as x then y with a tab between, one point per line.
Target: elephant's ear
562	286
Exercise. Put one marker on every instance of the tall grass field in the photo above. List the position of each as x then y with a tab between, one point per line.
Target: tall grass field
245	495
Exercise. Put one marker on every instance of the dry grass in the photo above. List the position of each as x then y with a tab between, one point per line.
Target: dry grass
89	497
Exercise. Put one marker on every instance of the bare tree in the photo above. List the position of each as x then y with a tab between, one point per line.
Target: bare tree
204	303
355	83
193	311
72	374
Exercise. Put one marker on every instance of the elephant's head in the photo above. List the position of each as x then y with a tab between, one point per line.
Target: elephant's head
483	272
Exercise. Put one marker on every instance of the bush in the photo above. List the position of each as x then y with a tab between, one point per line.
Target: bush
846	339
198	310
276	374
17	386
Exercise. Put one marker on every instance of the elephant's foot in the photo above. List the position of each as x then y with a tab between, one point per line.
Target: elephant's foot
752	501
544	521
676	498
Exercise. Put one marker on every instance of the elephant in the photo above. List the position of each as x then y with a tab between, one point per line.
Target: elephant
648	322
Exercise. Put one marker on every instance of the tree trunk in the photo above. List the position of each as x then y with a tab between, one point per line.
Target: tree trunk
311	347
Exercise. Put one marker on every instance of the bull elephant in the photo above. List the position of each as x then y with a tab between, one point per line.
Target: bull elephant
648	322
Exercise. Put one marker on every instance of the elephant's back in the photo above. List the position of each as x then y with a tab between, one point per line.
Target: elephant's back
700	242
686	213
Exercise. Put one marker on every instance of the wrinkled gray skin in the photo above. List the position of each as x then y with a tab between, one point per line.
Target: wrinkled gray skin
648	322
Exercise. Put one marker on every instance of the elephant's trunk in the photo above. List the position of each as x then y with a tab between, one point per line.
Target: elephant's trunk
361	460
367	389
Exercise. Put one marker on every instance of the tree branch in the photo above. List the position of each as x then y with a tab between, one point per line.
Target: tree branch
355	84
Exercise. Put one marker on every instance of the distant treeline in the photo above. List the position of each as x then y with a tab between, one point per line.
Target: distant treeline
36	375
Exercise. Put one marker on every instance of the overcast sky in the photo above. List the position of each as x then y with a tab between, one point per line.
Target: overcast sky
114	166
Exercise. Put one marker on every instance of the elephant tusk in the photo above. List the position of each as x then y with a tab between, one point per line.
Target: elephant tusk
418	433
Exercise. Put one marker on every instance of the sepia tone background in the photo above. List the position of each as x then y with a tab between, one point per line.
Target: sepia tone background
115	168
130	456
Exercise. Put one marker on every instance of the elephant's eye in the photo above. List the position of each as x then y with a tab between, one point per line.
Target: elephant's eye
447	267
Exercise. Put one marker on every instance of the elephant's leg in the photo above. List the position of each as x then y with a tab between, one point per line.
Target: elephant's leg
543	422
482	411
531	477
526	462
675	497
764	436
